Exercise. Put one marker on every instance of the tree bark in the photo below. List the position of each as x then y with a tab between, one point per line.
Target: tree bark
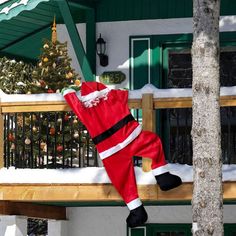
207	202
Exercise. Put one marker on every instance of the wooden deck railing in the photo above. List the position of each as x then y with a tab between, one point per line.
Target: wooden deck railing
101	192
148	104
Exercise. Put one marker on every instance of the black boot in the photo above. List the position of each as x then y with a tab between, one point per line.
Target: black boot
137	217
168	181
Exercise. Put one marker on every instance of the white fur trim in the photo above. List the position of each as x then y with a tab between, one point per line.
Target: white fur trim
134	204
120	146
69	90
92	99
160	170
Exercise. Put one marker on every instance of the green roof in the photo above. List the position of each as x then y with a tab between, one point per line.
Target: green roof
25	23
11	8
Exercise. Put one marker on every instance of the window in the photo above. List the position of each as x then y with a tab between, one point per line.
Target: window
165	61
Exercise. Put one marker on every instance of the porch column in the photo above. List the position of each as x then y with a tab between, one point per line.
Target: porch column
57	227
13	225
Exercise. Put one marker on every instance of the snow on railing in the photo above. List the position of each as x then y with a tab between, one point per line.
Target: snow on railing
133	94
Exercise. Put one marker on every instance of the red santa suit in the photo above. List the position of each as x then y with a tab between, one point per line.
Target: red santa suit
117	136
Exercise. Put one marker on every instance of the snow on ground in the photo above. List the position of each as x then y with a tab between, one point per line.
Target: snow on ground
96	175
148	88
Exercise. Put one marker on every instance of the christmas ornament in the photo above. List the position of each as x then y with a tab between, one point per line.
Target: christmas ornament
54	65
42	145
69	75
13	146
20	120
66	117
45	46
59	120
34	129
77	82
27	141
76	134
42	83
52	131
11	137
59	148
34	117
75	121
45	59
50	91
27	121
40	64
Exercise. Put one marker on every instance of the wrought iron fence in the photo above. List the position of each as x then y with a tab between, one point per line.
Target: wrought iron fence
47	140
178	144
59	140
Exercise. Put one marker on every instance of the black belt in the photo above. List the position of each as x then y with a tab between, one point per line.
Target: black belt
99	138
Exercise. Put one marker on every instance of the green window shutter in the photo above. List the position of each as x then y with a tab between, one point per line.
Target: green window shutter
140	62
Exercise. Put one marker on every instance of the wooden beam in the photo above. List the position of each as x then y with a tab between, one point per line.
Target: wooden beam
36	108
32	210
97	192
186	102
76	41
86	192
158	103
11	107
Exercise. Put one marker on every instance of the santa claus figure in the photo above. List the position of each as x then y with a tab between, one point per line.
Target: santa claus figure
118	137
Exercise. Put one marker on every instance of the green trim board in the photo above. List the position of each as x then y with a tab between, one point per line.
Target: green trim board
139	62
117	203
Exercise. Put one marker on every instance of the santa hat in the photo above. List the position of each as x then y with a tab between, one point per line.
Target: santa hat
90	87
92	93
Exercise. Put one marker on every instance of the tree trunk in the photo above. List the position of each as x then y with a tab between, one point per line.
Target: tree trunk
207	202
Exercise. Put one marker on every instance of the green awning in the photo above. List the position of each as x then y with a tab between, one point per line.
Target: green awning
11	8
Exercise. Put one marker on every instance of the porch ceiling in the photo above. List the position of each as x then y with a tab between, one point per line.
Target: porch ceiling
21	34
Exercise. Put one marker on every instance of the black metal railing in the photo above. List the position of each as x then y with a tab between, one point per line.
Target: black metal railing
59	139
47	140
177	137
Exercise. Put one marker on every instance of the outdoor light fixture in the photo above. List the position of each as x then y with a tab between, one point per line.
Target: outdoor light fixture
101	49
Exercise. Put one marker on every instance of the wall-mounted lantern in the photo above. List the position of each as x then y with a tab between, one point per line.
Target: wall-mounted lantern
101	49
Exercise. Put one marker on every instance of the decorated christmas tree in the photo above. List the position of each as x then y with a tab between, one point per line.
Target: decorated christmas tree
47	139
53	71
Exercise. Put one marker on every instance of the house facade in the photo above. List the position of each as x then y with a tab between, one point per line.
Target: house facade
147	42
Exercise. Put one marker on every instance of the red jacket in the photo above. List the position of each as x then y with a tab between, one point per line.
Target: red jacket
106	115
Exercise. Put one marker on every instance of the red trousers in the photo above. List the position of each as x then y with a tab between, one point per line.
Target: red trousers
120	168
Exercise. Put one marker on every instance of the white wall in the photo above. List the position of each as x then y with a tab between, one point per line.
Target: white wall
117	34
106	221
